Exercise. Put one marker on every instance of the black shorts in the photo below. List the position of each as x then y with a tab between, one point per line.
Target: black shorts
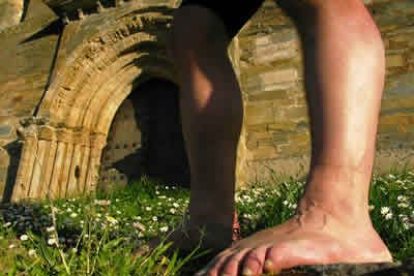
233	13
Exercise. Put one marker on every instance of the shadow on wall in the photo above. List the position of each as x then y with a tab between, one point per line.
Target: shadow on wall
14	150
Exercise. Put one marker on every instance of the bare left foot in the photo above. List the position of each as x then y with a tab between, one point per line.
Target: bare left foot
313	236
211	237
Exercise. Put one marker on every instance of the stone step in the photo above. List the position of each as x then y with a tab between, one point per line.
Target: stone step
405	268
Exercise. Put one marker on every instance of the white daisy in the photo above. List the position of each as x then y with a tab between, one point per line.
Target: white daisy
51	241
24	237
32	252
385	210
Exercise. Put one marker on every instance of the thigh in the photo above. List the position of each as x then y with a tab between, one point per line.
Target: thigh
233	13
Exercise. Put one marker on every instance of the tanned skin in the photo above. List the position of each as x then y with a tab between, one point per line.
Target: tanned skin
344	77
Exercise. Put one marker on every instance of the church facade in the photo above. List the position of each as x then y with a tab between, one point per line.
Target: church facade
89	97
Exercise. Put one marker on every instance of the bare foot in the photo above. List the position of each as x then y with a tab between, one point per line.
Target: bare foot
213	237
313	236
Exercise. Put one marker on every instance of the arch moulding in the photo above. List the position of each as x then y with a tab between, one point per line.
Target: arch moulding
62	144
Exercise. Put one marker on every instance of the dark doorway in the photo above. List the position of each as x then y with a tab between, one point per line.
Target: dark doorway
145	138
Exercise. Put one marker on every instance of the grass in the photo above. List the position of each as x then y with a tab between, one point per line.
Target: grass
98	235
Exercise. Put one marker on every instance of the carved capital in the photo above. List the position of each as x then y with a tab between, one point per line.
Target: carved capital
81	138
64	135
98	141
47	133
28	133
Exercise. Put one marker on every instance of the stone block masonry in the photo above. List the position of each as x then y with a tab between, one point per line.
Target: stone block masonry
66	69
272	82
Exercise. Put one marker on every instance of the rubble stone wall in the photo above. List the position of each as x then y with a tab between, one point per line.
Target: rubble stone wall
11	12
63	79
277	137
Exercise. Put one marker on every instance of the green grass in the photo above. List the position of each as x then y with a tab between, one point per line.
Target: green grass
98	236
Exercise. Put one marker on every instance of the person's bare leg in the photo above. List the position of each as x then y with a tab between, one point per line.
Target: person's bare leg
211	112
344	64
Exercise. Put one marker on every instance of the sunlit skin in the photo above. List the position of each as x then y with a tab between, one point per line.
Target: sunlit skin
344	76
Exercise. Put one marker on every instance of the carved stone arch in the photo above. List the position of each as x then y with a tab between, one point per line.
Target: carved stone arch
111	57
87	88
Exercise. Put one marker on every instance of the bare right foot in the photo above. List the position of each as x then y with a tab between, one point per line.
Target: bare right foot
311	237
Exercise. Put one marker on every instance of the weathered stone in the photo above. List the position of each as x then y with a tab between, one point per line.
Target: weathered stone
262	154
251	143
299	138
271	95
282	126
256	128
395	61
403	85
295	113
260	112
78	76
401	123
259	135
6	131
377	269
279	76
11	12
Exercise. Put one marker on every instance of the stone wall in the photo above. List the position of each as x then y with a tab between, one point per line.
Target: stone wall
26	59
62	81
97	60
277	137
11	12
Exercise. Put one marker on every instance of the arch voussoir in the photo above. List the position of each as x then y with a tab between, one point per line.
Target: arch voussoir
81	102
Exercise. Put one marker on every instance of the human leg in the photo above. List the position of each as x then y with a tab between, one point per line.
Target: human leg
211	113
344	74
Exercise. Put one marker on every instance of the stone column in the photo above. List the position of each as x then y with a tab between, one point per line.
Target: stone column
43	161
66	136
56	184
37	177
47	134
98	142
74	185
86	149
24	173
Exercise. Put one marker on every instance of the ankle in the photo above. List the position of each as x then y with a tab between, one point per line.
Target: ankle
342	211
344	186
204	211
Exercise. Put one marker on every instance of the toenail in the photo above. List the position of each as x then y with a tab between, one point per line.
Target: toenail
247	272
268	265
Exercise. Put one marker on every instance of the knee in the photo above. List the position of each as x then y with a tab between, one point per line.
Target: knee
196	29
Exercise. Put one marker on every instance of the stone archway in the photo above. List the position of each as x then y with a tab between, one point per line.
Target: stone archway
62	145
145	138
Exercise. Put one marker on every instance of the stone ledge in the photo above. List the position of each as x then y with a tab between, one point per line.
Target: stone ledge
379	269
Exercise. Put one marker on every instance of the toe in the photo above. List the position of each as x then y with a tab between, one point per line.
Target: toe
272	260
254	261
213	268
232	264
